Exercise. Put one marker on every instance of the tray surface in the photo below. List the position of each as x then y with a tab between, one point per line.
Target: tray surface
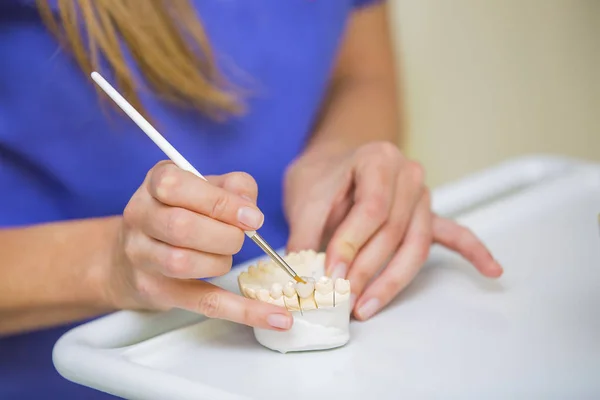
452	333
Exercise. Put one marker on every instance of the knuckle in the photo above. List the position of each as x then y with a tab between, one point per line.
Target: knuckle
423	253
131	249
376	207
422	238
147	288
132	209
417	172
245	182
176	263
388	150
359	278
219	206
427	197
393	284
210	304
178	225
347	248
382	148
422	242
129	213
395	227
164	180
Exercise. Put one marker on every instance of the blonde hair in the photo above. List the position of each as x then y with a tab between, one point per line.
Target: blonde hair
164	37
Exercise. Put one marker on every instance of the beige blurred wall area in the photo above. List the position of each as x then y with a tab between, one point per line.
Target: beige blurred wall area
487	80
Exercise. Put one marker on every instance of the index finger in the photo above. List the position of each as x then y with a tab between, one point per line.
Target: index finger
175	187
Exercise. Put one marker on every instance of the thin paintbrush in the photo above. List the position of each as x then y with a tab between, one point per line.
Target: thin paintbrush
181	162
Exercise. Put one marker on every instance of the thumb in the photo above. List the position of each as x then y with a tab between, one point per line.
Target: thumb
214	302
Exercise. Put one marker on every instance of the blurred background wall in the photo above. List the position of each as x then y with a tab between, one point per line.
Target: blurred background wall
486	80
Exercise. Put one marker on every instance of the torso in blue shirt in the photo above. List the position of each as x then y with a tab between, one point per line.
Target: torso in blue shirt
62	158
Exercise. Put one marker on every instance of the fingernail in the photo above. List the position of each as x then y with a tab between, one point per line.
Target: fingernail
339	271
352	301
247	198
368	309
498	268
250	217
279	321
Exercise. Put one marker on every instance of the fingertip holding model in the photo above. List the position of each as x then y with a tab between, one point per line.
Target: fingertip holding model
320	307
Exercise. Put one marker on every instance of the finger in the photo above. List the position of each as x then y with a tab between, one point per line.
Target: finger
184	228
239	183
385	242
175	187
337	215
308	218
373	199
403	267
460	239
214	302
157	257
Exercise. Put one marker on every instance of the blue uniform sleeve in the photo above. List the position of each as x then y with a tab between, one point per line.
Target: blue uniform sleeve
363	3
26	195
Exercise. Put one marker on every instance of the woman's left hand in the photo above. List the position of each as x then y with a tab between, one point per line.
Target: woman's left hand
371	205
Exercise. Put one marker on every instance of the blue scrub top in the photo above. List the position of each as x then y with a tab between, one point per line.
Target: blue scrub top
61	158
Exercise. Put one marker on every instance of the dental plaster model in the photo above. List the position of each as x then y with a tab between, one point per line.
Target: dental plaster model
320	307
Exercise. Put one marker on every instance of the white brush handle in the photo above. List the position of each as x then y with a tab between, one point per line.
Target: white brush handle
149	130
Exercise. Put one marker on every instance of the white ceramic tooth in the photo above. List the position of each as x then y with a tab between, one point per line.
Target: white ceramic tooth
290	296
244	277
250	293
276	294
253	271
263	295
266	267
324	292
288	289
305	289
342	290
306	292
342	286
309	256
318	264
308	266
324	285
276	290
292	260
303	256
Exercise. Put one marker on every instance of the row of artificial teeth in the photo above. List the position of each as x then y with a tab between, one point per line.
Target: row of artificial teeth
301	260
304	296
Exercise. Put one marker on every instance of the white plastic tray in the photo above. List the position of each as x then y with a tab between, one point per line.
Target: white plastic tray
535	333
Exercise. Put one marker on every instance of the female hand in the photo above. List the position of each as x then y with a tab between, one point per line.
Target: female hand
372	207
178	227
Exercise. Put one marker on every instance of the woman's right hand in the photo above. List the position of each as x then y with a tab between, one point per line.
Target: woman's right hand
177	228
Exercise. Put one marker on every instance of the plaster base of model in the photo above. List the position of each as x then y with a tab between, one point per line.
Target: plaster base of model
313	330
320	308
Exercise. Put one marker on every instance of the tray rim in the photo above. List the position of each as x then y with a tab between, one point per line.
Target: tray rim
100	344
